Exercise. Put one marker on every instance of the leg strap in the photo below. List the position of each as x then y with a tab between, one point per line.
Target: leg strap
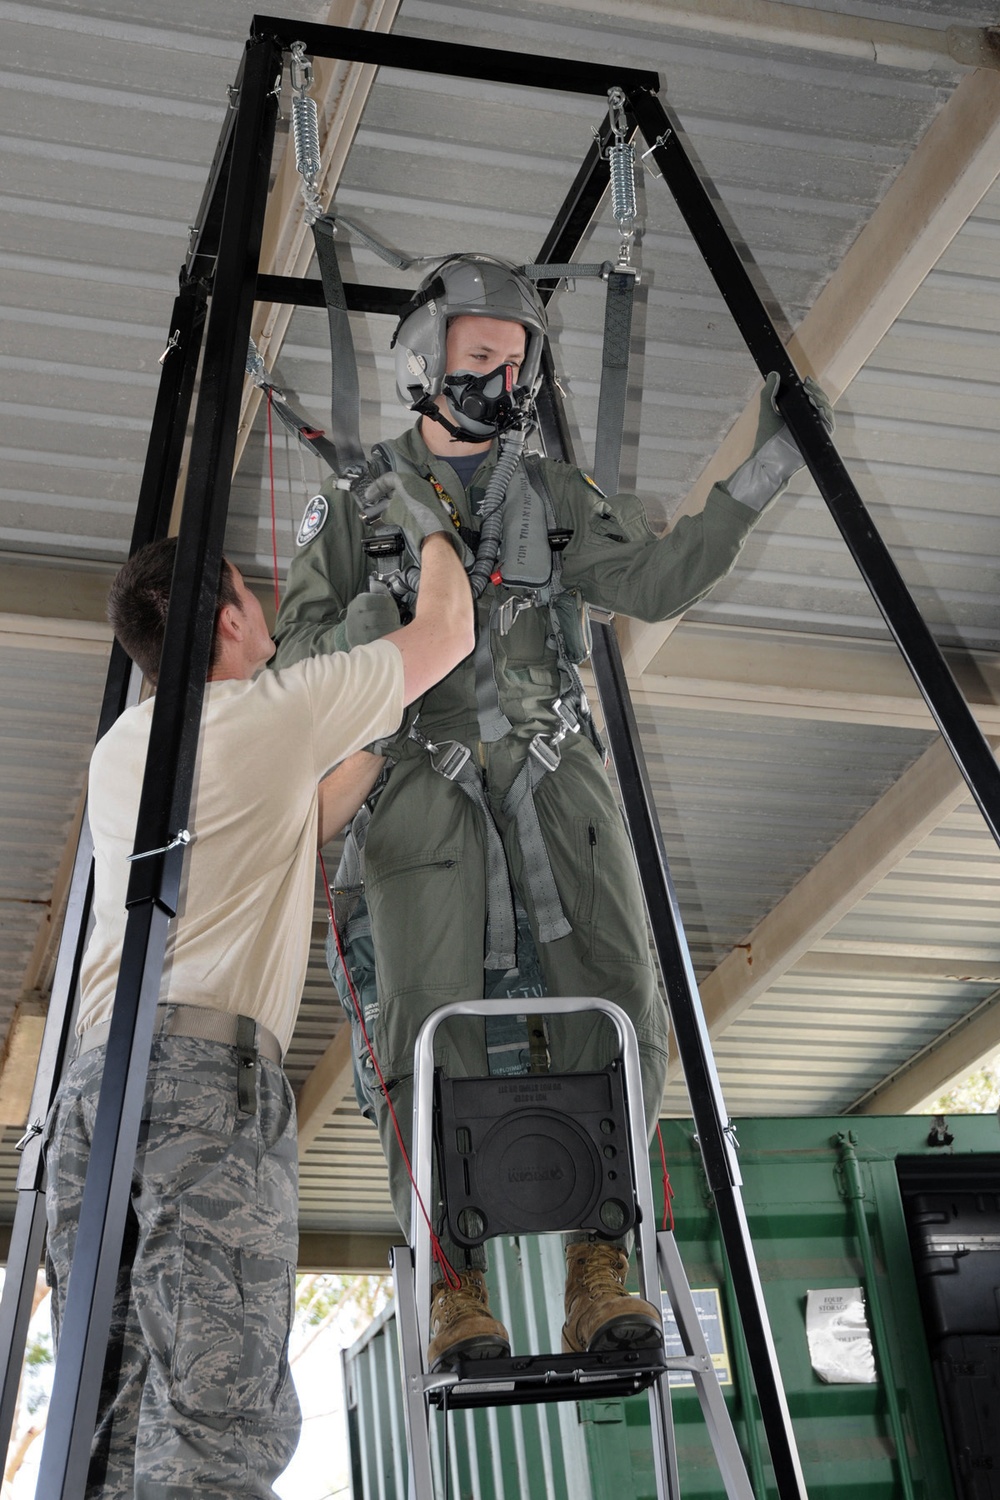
454	762
519	804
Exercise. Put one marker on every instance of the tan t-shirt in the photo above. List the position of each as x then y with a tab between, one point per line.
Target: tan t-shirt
240	941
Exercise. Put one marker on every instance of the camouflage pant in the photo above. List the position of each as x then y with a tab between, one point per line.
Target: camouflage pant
197	1397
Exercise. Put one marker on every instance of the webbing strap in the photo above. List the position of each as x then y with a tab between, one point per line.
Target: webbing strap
501	925
493	722
345	400
545	271
520	805
303	430
350	912
614	379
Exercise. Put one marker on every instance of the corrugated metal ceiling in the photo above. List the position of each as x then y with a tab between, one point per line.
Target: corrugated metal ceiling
109	120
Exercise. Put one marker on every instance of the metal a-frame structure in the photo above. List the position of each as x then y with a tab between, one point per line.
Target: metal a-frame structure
214	307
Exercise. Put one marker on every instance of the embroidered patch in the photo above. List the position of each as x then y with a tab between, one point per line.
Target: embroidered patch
313	520
594	485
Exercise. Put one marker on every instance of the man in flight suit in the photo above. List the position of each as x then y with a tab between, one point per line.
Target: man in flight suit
530	808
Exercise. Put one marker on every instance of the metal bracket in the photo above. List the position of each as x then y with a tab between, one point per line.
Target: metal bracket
35	1128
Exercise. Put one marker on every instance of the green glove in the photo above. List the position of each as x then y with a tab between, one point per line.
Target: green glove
775	457
411	504
370	616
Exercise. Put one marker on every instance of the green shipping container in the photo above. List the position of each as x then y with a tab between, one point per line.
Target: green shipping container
834	1205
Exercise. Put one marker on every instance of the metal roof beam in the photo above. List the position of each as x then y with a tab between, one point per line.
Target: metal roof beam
891	44
788	674
918	802
941	184
325	1087
946	1061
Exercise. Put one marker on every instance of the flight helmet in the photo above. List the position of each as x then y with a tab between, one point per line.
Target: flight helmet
480	285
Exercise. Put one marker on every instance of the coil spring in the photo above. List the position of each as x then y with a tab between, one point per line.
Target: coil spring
621	160
305	133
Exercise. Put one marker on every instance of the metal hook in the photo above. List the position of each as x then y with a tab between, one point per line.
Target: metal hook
616	107
301	68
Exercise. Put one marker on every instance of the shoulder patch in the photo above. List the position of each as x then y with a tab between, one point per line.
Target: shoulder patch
594	485
313	519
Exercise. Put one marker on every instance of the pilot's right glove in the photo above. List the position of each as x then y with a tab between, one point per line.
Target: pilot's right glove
775	457
410	503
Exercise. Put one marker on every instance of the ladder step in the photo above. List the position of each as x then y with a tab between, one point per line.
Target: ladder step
519	1380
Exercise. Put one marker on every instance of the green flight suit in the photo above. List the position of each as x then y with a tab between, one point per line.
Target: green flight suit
425	856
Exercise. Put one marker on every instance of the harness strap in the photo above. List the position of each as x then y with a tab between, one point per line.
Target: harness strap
312	437
345	401
519	804
553	270
350	912
614	379
453	761
493	722
501	926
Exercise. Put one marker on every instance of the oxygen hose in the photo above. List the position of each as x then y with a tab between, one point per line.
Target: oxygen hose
491	511
490	515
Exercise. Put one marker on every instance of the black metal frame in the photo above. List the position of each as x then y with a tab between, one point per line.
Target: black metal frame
224	253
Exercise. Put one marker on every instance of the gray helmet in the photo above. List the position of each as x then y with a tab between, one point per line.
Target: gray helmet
478	284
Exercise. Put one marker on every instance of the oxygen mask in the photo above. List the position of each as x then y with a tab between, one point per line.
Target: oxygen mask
484	405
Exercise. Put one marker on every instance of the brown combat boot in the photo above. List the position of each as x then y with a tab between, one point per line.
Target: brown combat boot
462	1325
601	1316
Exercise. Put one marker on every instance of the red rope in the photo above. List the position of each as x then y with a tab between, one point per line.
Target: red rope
668	1192
274	521
448	1271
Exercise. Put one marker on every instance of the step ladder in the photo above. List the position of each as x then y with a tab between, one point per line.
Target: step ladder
522	1379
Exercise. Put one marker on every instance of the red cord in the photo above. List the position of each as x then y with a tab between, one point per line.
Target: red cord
668	1192
451	1276
274	522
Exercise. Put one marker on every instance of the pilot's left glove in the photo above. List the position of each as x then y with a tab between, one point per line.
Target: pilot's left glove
775	457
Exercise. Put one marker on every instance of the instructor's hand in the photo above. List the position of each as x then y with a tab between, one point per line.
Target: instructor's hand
411	504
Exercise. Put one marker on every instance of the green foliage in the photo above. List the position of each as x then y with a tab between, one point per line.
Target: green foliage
39	1351
979	1094
38	1362
349	1301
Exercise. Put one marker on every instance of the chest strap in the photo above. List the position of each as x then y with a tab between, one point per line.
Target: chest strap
493	722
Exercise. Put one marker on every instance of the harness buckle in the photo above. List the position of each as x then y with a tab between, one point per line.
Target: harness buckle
387	542
568	717
449	758
545	748
546	751
509	611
